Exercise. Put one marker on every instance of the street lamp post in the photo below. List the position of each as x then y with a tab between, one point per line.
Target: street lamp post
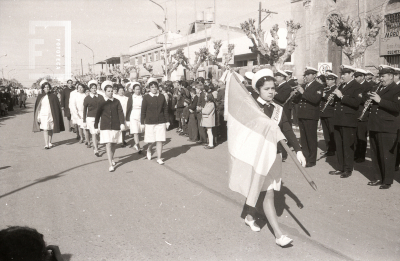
92	53
165	38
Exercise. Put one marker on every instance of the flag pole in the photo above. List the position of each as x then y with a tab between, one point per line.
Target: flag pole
285	146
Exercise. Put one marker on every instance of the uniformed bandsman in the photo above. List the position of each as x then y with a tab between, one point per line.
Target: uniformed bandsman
327	113
368	78
308	100
347	101
282	94
362	124
383	125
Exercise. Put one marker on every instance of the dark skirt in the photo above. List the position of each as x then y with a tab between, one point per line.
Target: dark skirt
193	130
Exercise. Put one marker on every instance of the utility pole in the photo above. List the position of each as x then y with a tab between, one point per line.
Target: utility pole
268	12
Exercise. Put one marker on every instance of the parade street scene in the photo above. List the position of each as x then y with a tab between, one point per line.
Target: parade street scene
200	130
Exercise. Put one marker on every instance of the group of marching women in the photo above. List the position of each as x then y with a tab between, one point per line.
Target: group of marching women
106	112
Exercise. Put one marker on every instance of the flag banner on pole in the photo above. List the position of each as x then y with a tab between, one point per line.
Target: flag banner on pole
252	141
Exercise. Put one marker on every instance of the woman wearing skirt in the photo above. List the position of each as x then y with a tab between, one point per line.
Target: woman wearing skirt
133	114
47	114
110	111
263	83
90	107
77	109
124	102
154	115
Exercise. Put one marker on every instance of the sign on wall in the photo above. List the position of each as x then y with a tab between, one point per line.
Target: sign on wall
390	45
323	67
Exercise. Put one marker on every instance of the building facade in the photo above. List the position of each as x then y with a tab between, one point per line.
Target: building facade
314	49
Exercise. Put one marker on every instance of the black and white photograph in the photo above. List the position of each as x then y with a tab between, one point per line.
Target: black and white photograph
199	130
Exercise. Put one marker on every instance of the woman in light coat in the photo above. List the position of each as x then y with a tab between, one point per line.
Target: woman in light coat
208	119
134	108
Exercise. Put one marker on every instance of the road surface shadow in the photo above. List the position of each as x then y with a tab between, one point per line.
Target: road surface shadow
48	178
15	113
65	142
176	151
5	167
280	205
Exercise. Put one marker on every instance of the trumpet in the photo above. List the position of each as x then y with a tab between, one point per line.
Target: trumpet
368	103
329	99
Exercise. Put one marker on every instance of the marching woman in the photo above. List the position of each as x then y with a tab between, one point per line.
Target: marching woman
111	123
90	106
48	115
133	112
77	109
74	113
124	102
263	83
154	115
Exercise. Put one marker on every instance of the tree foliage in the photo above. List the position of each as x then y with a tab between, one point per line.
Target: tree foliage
347	33
275	55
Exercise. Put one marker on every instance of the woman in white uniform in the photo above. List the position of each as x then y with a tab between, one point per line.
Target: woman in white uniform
77	109
133	114
47	115
124	102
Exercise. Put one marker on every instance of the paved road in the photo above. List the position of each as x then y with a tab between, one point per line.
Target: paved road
183	210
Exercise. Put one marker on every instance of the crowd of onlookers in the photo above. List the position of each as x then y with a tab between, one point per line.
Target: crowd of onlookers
10	97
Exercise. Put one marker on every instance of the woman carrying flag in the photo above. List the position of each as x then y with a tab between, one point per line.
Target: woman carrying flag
246	178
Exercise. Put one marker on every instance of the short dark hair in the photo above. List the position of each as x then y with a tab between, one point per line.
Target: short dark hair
200	80
107	86
44	84
262	80
119	86
69	81
22	243
155	83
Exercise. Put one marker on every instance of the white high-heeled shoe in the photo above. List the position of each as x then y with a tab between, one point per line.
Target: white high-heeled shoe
283	241
252	225
111	169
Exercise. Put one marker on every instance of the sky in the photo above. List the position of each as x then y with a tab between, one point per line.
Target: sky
108	27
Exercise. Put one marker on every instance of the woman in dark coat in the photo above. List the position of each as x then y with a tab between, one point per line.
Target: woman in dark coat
47	115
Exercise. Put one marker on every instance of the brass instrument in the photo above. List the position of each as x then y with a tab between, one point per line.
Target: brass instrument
330	98
368	103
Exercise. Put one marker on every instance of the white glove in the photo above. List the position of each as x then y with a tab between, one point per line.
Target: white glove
127	123
301	159
167	125
84	125
122	126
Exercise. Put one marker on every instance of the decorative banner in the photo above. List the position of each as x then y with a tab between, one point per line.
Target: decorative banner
390	45
323	67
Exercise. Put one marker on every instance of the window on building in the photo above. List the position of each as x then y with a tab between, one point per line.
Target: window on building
392	30
143	58
149	57
136	61
156	56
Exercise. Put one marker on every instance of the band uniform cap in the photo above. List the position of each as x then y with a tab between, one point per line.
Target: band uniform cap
263	73
369	73
396	70
105	83
281	73
150	80
310	70
125	80
42	82
385	69
249	75
331	76
92	82
288	71
347	69
359	72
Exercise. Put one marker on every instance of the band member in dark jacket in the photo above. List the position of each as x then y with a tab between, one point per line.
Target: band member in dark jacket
65	102
362	124
383	124
327	114
396	78
309	99
282	93
347	100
